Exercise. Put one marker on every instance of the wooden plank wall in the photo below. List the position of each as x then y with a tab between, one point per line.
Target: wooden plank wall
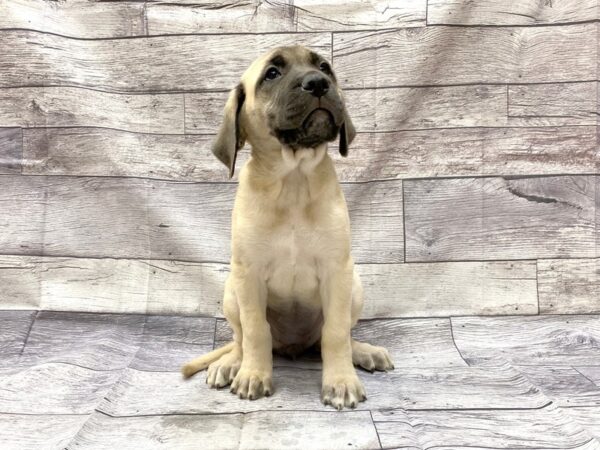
473	184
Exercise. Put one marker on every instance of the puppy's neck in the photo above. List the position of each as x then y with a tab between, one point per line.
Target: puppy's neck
304	160
278	163
299	175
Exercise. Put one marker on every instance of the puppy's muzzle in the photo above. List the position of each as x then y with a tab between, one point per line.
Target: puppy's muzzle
313	114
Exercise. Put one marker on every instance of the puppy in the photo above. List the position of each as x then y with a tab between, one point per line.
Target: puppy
292	283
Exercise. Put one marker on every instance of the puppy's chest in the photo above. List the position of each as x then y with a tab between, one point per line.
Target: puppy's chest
294	250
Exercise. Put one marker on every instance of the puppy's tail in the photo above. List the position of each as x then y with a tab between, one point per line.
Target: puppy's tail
202	362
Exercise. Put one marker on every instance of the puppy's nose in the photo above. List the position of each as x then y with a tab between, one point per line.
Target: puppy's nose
316	84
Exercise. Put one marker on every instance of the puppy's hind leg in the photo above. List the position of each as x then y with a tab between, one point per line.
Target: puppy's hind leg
202	362
224	362
367	356
371	357
222	372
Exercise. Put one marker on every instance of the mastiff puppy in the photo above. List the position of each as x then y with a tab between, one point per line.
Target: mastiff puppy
292	283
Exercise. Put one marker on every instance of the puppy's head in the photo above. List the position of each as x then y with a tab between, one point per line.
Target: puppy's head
288	97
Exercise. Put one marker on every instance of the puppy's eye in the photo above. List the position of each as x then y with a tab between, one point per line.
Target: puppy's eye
324	67
272	73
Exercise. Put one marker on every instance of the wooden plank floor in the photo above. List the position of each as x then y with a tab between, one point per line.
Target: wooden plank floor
87	380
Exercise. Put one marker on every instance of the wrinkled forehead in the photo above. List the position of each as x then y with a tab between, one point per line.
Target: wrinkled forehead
281	57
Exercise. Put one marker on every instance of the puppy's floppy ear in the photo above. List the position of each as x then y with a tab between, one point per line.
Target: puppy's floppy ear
347	133
230	137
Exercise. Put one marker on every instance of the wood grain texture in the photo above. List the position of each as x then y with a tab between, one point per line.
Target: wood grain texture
376	221
162	63
111	285
546	428
315	15
466	151
168	342
14	331
54	389
20	278
198	287
539	340
75	18
99	342
566	103
413	343
389	155
281	16
147	286
448	289
136	218
298	389
96	217
598	210
499	218
588	417
22	228
63	107
11	148
93	285
251	431
592	373
540	150
565	386
393	109
220	17
496	12
106	342
453	55
38	432
569	286
108	152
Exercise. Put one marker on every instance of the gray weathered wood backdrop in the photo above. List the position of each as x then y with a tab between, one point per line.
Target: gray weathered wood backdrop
473	183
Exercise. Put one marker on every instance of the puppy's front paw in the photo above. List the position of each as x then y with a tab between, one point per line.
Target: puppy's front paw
342	390
252	384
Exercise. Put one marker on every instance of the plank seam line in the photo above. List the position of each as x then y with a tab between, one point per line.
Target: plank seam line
480	83
214	343
400	130
348	88
343	183
148	133
533	25
28	333
45	414
537	286
376	430
454	342
401	318
145	18
291	32
233	413
403	223
575	446
21	160
174	35
118	92
586	377
325	410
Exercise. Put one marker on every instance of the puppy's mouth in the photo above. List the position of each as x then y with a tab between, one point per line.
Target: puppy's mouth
318	127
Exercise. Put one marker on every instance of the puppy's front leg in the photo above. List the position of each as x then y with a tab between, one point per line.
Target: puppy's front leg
341	386
254	379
